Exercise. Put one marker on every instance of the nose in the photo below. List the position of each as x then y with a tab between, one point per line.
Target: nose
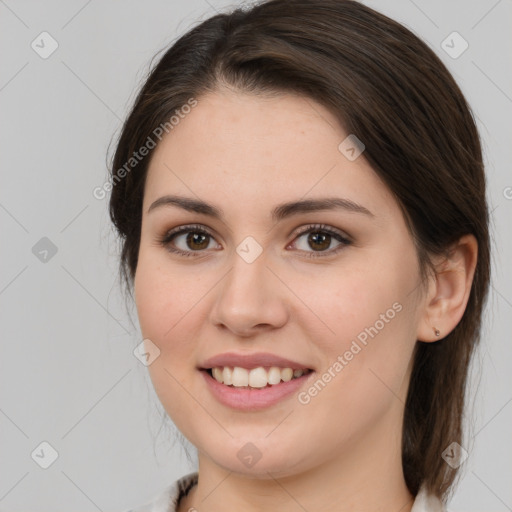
250	299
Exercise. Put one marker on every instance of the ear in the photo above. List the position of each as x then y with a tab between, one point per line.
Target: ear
448	290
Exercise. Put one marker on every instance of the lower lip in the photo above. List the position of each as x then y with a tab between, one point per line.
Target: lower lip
253	399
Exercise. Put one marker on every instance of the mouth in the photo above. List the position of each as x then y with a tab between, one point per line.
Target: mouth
250	382
254	378
254	389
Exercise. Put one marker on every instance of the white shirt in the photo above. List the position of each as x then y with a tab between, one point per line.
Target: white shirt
167	500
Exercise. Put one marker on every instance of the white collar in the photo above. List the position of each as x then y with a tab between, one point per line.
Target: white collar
427	502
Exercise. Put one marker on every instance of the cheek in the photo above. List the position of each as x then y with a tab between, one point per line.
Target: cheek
365	360
367	308
351	298
163	296
165	307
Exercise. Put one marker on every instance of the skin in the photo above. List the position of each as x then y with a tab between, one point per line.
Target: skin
245	154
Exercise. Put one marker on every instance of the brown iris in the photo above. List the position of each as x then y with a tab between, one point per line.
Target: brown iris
320	241
197	241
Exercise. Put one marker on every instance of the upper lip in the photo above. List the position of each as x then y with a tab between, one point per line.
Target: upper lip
250	361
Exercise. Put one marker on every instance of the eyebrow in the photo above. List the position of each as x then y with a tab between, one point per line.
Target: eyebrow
280	212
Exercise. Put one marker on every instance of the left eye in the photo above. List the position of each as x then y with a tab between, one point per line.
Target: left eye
319	240
193	240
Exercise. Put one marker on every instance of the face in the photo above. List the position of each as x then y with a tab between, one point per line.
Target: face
329	288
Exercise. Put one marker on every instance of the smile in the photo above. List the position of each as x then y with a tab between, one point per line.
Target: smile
258	378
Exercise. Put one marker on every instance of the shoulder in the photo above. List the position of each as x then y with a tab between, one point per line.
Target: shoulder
167	500
425	502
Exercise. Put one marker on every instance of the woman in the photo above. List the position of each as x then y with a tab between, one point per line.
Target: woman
300	194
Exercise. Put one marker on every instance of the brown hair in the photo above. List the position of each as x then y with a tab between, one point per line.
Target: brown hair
386	86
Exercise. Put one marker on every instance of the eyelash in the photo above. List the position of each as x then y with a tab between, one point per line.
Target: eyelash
312	228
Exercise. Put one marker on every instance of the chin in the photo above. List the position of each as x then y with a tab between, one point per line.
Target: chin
256	456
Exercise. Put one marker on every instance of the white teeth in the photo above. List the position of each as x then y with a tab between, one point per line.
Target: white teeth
240	377
227	374
286	374
274	375
256	377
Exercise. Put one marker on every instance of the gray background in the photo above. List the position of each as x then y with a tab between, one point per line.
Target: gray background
67	372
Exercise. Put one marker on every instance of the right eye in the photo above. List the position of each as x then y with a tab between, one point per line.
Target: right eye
187	240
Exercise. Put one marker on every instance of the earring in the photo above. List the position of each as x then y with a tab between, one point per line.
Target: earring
437	332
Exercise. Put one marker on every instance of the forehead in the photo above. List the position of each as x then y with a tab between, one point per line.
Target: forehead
258	150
